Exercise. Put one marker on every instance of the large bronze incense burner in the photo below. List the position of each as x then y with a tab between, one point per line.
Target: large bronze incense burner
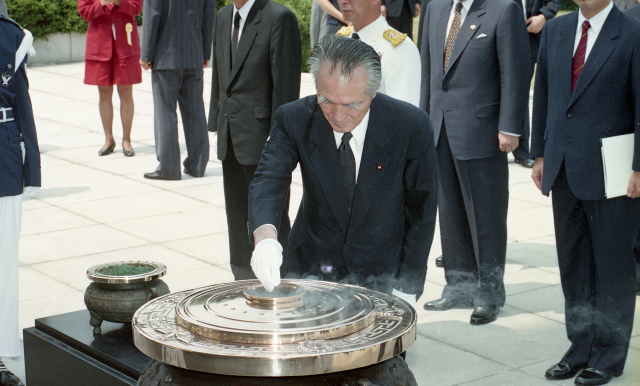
303	329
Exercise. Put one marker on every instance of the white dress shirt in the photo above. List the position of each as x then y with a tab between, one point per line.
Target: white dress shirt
596	22
244	12
466	5
357	142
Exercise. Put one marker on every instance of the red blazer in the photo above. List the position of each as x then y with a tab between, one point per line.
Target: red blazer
100	32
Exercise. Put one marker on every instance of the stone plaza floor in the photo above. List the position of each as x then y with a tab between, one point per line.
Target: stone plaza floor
94	209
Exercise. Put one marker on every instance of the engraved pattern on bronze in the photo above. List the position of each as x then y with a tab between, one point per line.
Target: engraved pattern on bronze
392	372
161	334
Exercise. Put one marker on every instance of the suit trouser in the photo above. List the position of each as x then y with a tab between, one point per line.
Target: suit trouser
237	179
318	23
184	88
595	242
10	221
473	197
404	21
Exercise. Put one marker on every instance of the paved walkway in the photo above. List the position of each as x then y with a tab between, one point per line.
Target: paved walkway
97	209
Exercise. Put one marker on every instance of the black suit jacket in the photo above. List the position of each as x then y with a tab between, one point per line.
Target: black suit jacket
264	76
394	7
392	222
548	8
486	87
176	33
567	127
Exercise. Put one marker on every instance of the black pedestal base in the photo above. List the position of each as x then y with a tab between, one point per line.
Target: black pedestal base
61	350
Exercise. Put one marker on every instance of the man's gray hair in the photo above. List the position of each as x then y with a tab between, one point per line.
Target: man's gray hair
346	55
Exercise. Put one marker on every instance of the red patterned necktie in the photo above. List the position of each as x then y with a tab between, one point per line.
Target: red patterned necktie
453	34
578	58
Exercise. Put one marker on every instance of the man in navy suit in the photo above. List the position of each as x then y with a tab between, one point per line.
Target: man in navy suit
475	86
587	88
368	209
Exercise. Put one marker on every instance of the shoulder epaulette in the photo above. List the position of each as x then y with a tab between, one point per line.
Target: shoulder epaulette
345	31
10	21
394	36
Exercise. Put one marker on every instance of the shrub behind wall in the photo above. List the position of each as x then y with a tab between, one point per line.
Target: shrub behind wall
47	17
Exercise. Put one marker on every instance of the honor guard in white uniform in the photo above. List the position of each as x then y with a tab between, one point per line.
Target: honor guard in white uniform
19	175
399	57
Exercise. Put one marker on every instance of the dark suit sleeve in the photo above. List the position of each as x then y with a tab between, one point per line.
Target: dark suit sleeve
23	114
423	10
151	22
425	58
286	61
635	92
550	9
421	199
512	45
215	91
207	27
272	179
540	95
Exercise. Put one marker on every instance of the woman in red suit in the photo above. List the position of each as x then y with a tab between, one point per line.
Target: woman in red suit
112	57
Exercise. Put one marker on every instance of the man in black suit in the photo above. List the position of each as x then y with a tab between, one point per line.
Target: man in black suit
475	86
176	44
634	11
587	88
367	215
400	14
256	69
537	12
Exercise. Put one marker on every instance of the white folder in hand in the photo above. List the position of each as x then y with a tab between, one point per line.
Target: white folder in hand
617	157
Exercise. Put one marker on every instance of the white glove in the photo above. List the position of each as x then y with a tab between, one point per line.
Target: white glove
266	261
29	191
411	299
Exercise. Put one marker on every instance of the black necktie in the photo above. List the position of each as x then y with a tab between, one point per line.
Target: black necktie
236	32
355	36
348	162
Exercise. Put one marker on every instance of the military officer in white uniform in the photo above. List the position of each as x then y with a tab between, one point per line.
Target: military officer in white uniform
399	56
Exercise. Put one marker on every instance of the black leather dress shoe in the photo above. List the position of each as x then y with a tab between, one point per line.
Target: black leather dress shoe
439	262
7	378
484	314
591	376
562	370
107	151
525	162
154	176
186	171
444	304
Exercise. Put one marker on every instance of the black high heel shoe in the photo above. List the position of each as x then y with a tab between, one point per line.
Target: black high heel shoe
128	153
108	150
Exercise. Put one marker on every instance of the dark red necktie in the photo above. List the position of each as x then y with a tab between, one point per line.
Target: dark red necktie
578	58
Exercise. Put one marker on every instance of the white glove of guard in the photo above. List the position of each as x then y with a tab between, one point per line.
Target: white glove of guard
266	261
411	299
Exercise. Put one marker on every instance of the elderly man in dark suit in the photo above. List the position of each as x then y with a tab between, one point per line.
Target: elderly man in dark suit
587	88
367	215
475	86
176	44
400	14
256	69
